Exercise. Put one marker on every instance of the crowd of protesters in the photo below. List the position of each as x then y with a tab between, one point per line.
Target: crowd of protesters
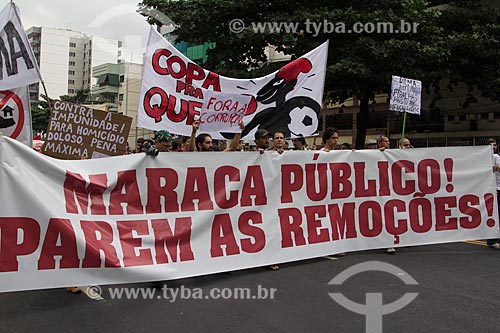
165	141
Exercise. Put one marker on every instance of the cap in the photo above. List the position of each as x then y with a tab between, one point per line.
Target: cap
371	142
261	133
162	136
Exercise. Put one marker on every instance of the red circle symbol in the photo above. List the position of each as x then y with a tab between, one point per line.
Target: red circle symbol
8	95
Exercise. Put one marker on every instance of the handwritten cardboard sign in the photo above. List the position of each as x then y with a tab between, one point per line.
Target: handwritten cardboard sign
76	131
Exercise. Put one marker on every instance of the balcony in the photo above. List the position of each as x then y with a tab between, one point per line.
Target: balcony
107	84
105	90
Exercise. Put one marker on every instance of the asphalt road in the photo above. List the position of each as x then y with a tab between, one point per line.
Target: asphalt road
457	292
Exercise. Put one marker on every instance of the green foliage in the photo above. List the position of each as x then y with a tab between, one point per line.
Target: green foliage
40	113
80	96
458	40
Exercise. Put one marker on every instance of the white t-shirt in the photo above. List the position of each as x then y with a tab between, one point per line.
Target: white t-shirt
496	160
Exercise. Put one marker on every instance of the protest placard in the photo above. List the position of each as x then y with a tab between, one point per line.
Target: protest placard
15	115
18	65
76	131
222	112
405	95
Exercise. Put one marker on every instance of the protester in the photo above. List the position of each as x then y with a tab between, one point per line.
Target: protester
345	146
371	144
262	140
495	242
299	143
138	145
384	143
200	142
406	144
262	144
185	143
330	138
279	142
163	140
204	142
177	145
279	147
286	145
221	145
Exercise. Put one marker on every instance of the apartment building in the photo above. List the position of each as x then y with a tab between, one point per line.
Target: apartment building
66	59
117	87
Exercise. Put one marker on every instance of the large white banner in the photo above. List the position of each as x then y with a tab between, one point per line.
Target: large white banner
15	115
141	218
18	65
176	90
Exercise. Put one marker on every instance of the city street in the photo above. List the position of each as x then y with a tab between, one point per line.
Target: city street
457	292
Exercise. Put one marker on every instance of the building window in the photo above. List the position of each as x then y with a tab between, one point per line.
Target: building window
71	91
71	81
120	97
72	54
72	44
122	78
72	63
71	72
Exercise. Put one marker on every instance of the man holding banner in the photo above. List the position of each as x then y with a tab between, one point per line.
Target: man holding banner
203	141
384	143
495	242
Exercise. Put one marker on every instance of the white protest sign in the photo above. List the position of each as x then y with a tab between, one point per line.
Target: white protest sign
15	115
18	65
175	90
222	112
405	95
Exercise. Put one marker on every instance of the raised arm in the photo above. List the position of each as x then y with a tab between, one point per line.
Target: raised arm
192	142
236	139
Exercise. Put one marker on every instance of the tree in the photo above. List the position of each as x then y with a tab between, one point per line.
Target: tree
458	40
40	113
80	96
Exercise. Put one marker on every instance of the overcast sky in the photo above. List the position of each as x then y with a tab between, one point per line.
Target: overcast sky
108	18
